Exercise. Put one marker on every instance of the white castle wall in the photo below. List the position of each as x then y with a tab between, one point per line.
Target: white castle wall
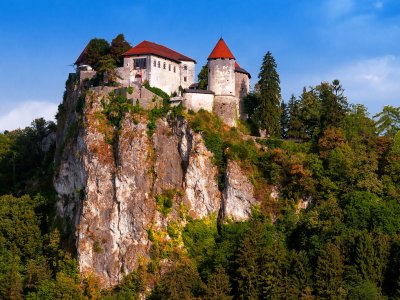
221	76
160	72
198	100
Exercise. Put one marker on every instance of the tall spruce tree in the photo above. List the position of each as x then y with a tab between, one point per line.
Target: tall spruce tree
267	113
284	120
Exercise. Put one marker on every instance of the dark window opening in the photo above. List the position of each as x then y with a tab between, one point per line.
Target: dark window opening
185	67
159	64
139	63
164	66
174	69
154	63
169	67
184	79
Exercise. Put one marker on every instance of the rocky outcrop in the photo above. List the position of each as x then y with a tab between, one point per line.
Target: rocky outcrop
238	195
109	180
107	184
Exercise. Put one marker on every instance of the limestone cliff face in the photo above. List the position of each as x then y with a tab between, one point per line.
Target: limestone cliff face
238	196
107	188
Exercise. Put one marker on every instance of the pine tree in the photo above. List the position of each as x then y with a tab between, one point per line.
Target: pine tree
218	286
329	273
334	104
267	114
284	119
295	128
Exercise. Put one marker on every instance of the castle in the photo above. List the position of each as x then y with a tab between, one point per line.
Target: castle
174	72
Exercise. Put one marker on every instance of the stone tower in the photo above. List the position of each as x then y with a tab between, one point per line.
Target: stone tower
221	81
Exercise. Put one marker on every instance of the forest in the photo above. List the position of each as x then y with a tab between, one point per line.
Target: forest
334	232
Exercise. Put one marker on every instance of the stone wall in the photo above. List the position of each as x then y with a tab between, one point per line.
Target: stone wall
196	100
221	76
86	75
242	88
225	108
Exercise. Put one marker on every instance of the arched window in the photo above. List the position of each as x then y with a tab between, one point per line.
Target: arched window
185	67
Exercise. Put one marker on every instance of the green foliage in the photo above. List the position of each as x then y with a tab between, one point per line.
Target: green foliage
119	46
115	107
165	201
95	50
156	90
25	164
388	122
267	112
202	78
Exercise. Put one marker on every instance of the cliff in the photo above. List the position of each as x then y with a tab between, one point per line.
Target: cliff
116	185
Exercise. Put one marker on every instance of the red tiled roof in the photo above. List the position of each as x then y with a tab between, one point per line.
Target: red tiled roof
82	57
147	47
239	69
221	50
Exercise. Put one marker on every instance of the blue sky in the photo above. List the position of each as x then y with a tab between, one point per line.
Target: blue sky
357	42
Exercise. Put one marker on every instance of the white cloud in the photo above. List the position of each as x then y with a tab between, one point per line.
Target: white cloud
374	82
23	114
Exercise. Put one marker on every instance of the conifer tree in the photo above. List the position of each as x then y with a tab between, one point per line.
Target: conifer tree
295	128
284	119
329	273
267	113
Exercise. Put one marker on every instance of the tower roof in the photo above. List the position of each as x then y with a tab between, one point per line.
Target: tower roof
221	50
147	47
239	69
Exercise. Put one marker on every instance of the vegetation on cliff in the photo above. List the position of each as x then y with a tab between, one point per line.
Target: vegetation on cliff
332	232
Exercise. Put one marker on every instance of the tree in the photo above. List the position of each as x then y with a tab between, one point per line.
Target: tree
388	122
218	285
119	46
95	50
203	77
357	125
310	113
333	102
295	128
329	273
267	113
284	121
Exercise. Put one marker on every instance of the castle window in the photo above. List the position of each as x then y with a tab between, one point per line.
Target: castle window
164	66
159	64
154	63
184	79
140	63
185	67
169	67
174	69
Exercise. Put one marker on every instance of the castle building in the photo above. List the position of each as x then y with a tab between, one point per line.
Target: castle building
164	68
228	84
160	66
